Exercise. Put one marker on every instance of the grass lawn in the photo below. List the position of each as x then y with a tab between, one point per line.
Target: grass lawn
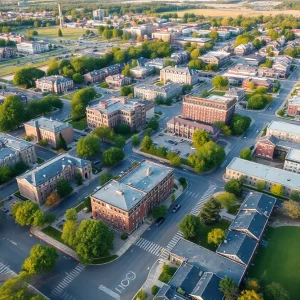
104	260
40	160
54	233
18	194
201	238
68	96
80	125
217	92
80	207
280	260
167	273
68	33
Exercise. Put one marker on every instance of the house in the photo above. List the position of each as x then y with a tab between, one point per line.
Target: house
255	59
292	161
54	84
141	72
284	131
7	52
117	81
237	93
294	107
257	82
94	76
215	57
33	47
182	75
198	42
243	49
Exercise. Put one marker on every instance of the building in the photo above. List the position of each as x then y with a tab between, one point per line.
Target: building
142	30
7	52
254	172
43	128
157	63
265	147
13	150
236	93
198	42
152	91
208	110
98	14
118	80
33	47
292	161
124	204
182	75
216	57
294	107
37	184
54	84
284	131
161	35
255	59
180	57
94	76
258	82
243	49
185	128
141	72
115	111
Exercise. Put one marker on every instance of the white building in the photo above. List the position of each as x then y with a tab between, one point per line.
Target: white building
54	84
32	47
292	161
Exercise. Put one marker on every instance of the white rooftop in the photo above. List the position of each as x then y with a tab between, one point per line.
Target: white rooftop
285	127
219	98
293	155
295	100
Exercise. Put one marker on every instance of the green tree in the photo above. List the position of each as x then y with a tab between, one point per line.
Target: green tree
141	295
135	140
104	133
195	53
120	56
61	143
24	212
77	78
200	137
126	71
63	187
41	259
295	196
175	159
126	90
275	291
78	178
71	214
88	146
190	226
159	211
119	141
252	284
234	186
154	290
147	143
220	82
197	64
153	123
60	34
214	35
112	156
80	101
239	124
69	233
246	154
105	177
210	211
226	200
216	236
104	85
229	288
53	67
260	185
277	189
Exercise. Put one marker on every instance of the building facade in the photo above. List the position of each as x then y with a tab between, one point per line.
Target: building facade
116	111
32	47
37	184
180	75
43	128
94	76
294	107
118	80
292	161
7	52
124	204
208	110
284	131
216	57
141	72
54	84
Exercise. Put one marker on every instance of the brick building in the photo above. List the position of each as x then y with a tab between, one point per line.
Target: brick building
243	49
43	128
94	76
258	82
183	75
115	111
265	147
216	57
13	150
284	131
7	52
185	128
208	110
118	80
124	204
54	84
37	184
294	107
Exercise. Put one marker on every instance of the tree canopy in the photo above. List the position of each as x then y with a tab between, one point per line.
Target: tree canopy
26	77
190	226
112	156
220	82
200	137
246	153
216	236
210	211
88	146
159	211
234	186
63	187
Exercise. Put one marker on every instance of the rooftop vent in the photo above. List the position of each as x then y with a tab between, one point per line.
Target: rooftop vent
148	171
225	241
133	199
44	175
119	192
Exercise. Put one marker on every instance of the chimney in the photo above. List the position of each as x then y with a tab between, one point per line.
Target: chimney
103	104
148	171
123	100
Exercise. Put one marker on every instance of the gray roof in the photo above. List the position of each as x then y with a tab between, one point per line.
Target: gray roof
10	141
52	168
293	155
180	70
285	127
119	195
54	78
295	100
217	98
167	293
251	221
6	152
48	124
166	88
208	261
267	173
208	287
146	175
239	244
259	202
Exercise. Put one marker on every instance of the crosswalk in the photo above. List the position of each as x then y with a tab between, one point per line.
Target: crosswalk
192	194
66	296
148	246
195	211
67	280
170	246
4	269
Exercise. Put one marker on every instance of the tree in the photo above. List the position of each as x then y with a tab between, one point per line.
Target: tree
24	212
126	90
229	288
275	291
122	129
154	290
71	214
61	143
291	209
220	82
252	284
80	101
239	124
120	141
260	185
53	67
195	53
77	78
277	189
216	236
209	213
60	34
200	137
69	233
88	146
135	140
295	196
105	177
112	156
159	211
175	159
234	186
126	70
214	35
41	259
141	295
104	133
52	199
63	187
250	295
104	85
197	64
94	239
153	123
147	143
246	154
226	200
78	178
11	113
190	226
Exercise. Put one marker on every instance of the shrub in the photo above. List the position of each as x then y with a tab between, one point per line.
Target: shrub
154	290
124	236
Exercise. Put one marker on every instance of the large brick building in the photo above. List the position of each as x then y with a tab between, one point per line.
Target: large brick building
124	204
208	110
43	128
216	57
294	107
183	75
37	184
115	111
54	84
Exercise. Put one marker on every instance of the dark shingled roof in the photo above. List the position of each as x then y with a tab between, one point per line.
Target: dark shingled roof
167	293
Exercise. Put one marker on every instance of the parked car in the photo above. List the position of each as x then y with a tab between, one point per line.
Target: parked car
159	221
96	162
176	208
251	147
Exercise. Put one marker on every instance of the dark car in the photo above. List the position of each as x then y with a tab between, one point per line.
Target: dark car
251	147
96	162
159	221
176	208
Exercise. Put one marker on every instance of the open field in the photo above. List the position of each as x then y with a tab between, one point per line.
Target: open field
68	33
236	12
280	260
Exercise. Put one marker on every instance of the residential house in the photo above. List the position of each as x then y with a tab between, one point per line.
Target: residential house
141	72
182	75
54	84
243	49
117	81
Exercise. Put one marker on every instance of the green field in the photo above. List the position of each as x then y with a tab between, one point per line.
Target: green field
280	261
68	33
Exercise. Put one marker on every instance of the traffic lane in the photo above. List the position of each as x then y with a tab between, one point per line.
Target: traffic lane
44	153
8	189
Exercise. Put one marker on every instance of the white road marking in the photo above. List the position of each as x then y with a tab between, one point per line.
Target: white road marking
109	292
